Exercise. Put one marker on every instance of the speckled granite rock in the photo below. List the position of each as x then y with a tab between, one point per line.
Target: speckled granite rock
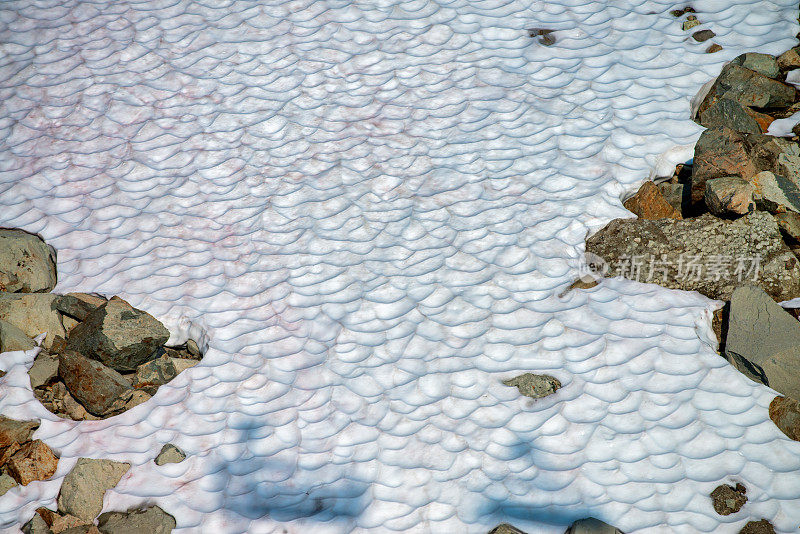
534	386
27	263
505	528
170	454
758	527
728	499
83	488
705	254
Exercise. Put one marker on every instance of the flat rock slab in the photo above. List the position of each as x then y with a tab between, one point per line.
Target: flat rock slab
83	488
764	341
100	389
27	263
118	335
78	305
534	386
33	313
749	88
13	431
705	254
12	338
153	520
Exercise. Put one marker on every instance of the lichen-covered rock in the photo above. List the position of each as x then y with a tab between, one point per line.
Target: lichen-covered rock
758	527
100	389
118	335
592	526
505	528
12	338
705	254
152	520
534	386
763	64
170	454
33	313
785	413
749	88
790	59
789	223
14	431
157	372
729	195
764	341
78	305
33	461
83	488
719	152
649	203
728	499
27	263
727	112
677	195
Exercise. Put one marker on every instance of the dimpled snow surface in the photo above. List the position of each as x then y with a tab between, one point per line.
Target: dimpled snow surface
365	212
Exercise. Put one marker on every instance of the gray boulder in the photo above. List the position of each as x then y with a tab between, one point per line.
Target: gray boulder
33	313
764	64
27	263
170	454
592	526
100	389
12	338
118	335
764	341
705	254
534	386
749	88
151	520
730	195
78	305
83	488
37	525
44	369
727	112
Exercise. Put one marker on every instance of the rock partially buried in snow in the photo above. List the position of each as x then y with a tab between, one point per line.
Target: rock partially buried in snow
703	35
12	338
37	525
27	263
33	461
100	389
157	372
728	499
790	59
758	527
505	528
534	386
785	413
592	526
729	195
33	313
649	203
83	488
170	454
118	335
764	341
705	254
152	520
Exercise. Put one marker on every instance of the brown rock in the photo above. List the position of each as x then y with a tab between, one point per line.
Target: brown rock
758	527
13	431
719	152
34	461
703	35
8	452
785	413
649	203
69	524
714	48
729	195
790	59
727	499
100	389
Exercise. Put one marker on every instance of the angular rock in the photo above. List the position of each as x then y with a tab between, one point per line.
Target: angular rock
713	49
65	404
78	305
33	313
790	59
100	389
70	524
12	338
34	461
6	483
763	64
690	22
152	520
505	528
789	223
27	263
592	526
719	152
36	525
728	500
534	386
775	192
160	371
729	195
118	335
649	203
727	112
192	348
44	370
764	341
703	35
705	254
170	454
83	488
749	88
758	527
13	431
677	195
785	413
